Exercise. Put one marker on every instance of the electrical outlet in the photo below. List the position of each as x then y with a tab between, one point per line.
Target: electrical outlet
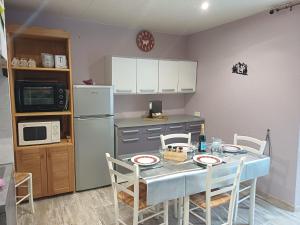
197	114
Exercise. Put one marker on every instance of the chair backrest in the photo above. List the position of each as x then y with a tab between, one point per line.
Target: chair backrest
121	182
232	181
260	144
164	138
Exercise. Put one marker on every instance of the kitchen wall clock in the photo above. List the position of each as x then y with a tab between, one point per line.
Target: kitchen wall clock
145	41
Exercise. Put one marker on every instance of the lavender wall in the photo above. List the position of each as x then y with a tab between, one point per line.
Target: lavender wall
92	41
267	98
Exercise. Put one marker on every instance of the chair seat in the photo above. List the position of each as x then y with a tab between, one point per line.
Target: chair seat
199	200
129	200
20	176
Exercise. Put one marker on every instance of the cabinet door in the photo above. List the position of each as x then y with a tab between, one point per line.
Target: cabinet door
147	76
33	160
187	77
168	76
60	163
124	75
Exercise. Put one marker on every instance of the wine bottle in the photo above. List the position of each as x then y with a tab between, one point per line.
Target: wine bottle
202	140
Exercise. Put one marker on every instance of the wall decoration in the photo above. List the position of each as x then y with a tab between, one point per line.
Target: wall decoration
240	68
145	41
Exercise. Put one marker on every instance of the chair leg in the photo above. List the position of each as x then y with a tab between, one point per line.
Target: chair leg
175	208
166	212
236	207
116	206
30	191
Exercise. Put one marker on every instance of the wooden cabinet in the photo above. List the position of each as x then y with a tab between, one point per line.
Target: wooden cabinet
52	168
150	76
168	76
121	74
52	165
34	160
187	76
147	76
60	162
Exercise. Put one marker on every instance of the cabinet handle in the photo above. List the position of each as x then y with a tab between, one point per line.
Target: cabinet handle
154	129
152	138
187	89
123	91
130	140
168	90
195	132
195	125
130	131
147	90
175	127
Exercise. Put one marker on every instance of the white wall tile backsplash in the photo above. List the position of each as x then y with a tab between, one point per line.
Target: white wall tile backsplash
6	142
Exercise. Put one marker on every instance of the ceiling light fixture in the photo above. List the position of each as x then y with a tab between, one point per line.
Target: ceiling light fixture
204	5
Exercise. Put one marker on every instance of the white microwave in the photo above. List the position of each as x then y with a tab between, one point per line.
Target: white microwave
38	132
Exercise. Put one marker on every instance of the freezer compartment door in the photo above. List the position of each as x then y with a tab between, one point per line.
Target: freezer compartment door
93	138
93	100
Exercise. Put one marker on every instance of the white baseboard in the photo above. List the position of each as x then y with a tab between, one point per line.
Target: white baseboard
277	202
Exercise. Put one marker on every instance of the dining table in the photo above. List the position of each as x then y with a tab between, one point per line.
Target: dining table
169	180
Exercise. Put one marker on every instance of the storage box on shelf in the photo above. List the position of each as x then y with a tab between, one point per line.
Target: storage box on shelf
150	76
52	165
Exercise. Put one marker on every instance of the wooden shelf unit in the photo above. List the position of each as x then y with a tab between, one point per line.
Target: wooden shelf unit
40	69
52	165
62	113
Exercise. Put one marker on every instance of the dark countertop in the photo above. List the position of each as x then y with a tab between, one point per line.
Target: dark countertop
6	171
140	122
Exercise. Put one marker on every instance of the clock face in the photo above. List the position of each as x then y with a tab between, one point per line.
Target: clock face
145	41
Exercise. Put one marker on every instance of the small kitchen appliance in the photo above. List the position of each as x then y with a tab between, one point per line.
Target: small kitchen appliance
38	132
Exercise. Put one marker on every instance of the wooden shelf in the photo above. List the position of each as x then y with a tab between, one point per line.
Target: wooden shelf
63	142
43	113
40	69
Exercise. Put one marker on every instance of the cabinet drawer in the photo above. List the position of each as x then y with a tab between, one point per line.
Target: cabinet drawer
130	132
152	142
154	130
193	126
175	128
129	145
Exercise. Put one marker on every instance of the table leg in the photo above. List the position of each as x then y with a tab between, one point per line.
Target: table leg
186	207
180	211
252	202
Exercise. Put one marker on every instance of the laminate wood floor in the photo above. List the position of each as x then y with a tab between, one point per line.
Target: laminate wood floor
95	207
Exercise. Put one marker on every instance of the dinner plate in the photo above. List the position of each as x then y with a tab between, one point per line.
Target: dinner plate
145	160
232	148
207	159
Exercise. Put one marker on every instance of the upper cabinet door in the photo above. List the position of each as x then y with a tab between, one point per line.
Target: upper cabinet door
168	76
147	76
187	77
124	75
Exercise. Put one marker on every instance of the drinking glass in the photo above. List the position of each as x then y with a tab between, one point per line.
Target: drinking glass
161	154
216	145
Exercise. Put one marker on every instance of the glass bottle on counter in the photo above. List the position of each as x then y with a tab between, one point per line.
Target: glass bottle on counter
202	139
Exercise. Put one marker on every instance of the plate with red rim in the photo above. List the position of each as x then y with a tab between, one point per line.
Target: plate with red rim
232	148
145	160
207	159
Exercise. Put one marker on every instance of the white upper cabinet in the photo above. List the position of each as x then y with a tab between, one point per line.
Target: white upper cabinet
168	76
121	74
147	76
187	76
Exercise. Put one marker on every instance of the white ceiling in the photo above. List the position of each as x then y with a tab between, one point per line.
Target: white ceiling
167	16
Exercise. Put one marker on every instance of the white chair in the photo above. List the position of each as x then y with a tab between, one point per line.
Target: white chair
261	145
163	139
129	190
20	179
217	197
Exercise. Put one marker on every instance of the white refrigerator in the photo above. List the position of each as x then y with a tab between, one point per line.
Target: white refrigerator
94	135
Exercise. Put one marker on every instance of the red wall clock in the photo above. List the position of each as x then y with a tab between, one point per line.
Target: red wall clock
145	41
